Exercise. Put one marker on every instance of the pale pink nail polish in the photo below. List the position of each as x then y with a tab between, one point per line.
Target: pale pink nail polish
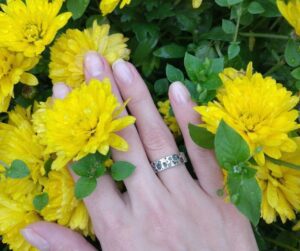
94	65
35	239
122	72
180	93
60	90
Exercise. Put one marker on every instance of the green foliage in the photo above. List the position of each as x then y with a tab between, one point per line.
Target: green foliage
231	149
121	170
40	201
17	170
85	186
244	191
201	136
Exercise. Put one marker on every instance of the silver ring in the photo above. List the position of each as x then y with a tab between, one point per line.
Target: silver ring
169	161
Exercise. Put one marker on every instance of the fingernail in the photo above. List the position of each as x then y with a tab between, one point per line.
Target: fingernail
35	239
180	93
122	72
93	64
60	90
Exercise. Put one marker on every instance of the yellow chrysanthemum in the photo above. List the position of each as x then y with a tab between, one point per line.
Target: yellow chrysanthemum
19	141
17	211
74	44
82	123
63	207
164	108
280	188
291	12
108	6
196	3
260	109
13	69
28	26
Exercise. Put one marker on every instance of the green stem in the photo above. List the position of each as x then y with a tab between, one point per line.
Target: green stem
239	13
274	68
263	35
287	247
218	50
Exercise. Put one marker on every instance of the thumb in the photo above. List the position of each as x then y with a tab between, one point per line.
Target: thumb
52	237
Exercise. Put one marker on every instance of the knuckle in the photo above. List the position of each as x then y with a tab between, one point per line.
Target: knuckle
156	139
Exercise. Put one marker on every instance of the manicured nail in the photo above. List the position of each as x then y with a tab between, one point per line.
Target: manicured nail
93	64
180	93
122	72
35	239
60	90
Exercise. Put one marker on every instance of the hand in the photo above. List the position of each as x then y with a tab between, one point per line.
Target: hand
171	211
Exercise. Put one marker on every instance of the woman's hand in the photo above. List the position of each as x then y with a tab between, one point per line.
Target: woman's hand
168	211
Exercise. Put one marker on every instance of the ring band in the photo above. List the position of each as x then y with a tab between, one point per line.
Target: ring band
169	161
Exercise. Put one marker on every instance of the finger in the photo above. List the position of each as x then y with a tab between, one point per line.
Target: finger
156	137
105	201
206	168
143	177
49	236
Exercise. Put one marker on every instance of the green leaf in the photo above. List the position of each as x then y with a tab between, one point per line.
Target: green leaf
227	3
283	163
296	73
193	66
255	8
161	86
233	50
88	166
213	82
228	26
245	193
292	53
231	149
40	201
201	136
77	7
121	170
18	170
84	187
170	51
174	74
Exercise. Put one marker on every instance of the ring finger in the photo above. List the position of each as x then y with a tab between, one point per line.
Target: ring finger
156	137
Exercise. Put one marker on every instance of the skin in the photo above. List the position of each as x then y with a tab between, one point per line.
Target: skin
168	211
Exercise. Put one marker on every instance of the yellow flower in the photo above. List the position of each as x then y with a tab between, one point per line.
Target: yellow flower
28	26
13	69
164	108
108	6
197	3
74	44
260	109
82	123
291	12
17	211
19	141
280	188
63	207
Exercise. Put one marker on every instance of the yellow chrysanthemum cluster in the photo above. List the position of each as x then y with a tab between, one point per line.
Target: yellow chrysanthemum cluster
260	109
262	112
19	141
280	188
164	108
291	12
26	28
74	44
108	6
90	115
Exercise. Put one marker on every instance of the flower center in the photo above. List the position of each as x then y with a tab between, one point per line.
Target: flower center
32	33
5	66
